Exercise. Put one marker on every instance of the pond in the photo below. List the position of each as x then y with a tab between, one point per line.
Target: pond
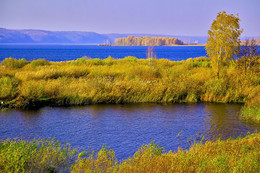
124	128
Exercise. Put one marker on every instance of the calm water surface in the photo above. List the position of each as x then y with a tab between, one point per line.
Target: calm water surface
127	127
72	52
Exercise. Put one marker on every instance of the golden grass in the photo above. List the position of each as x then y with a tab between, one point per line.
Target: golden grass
251	111
220	156
232	155
128	80
35	156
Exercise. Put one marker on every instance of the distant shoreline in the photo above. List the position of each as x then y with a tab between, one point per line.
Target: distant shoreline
157	46
69	44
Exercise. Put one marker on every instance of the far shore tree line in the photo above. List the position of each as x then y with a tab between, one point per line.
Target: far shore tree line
147	41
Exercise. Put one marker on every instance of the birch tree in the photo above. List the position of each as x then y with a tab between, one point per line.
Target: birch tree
223	41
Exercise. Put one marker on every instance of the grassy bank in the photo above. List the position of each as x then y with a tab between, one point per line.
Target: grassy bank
33	84
234	155
251	111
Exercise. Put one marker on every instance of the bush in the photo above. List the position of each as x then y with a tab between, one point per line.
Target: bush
14	63
109	60
8	87
79	61
96	61
35	156
39	62
131	59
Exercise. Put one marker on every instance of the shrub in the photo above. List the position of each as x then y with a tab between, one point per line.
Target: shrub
35	156
96	61
14	63
109	61
39	62
79	61
8	87
131	59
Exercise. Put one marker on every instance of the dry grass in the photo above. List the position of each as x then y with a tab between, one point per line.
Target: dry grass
233	155
240	155
35	156
128	80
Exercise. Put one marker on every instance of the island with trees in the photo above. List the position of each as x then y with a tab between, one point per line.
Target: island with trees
147	41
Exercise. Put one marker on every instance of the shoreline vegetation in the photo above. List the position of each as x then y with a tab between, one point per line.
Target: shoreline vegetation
147	41
232	155
174	45
30	85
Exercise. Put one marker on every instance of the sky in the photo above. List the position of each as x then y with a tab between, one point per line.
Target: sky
171	17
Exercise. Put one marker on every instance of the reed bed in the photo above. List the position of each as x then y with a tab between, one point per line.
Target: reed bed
232	155
84	81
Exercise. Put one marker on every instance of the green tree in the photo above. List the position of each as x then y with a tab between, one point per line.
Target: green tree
223	39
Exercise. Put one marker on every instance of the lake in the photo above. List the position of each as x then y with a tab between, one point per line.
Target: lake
72	52
124	128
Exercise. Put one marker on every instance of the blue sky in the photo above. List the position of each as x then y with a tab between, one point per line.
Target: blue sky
174	17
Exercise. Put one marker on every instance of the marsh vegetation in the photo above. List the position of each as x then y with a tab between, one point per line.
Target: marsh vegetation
233	155
130	80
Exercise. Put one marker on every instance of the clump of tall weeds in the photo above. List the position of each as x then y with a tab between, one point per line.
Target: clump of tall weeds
35	156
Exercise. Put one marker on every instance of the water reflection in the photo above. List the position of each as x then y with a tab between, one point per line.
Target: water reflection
127	127
223	121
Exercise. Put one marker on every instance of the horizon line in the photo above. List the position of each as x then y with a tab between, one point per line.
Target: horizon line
244	36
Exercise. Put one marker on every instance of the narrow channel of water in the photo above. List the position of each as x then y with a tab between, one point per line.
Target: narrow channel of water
127	127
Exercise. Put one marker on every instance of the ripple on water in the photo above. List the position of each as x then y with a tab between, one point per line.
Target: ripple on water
127	127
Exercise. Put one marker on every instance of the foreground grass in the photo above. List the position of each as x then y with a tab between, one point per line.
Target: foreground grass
233	155
38	83
35	156
251	111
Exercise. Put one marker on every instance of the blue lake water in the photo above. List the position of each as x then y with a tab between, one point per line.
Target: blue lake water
72	52
125	128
